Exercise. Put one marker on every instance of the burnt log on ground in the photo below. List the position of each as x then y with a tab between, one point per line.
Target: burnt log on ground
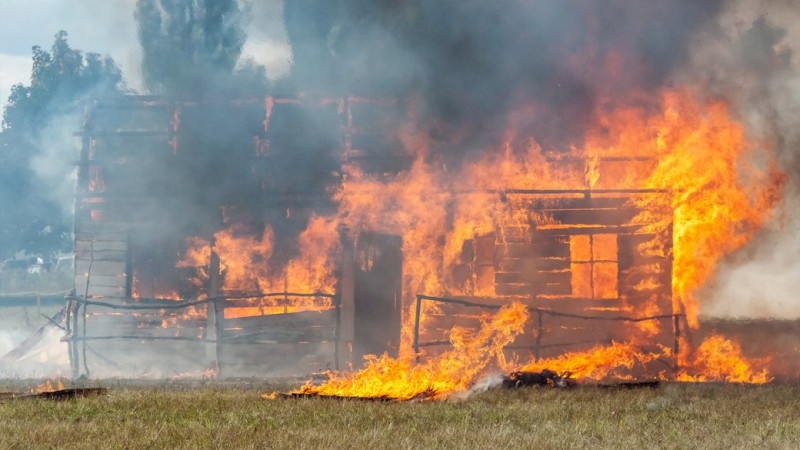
427	395
61	394
545	378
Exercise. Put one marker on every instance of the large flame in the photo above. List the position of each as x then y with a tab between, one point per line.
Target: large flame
453	371
720	187
721	193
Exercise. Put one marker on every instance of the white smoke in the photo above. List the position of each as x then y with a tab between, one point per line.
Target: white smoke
752	58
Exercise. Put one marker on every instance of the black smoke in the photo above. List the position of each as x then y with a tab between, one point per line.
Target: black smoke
472	61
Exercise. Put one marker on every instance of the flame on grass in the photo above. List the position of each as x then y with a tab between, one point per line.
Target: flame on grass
717	359
453	371
49	385
596	363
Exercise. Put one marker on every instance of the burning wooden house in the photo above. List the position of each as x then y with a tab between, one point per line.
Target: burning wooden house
226	235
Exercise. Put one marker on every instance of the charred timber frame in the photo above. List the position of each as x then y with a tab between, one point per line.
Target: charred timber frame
105	246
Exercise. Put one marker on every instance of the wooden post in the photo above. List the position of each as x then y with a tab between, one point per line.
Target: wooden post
73	340
214	313
347	301
73	365
539	328
417	312
338	333
676	345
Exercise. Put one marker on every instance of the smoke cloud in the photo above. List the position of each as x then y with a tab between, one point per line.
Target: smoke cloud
752	58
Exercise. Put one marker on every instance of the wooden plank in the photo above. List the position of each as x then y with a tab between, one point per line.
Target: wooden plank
102	230
554	288
148	333
100	291
594	216
533	265
552	264
663	303
194	318
559	332
282	335
85	245
100	234
514	289
107	280
517	265
100	267
533	278
290	320
643	281
106	255
593	307
548	204
509	234
544	232
549	247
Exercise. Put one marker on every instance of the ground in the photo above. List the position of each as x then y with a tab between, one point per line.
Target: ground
233	415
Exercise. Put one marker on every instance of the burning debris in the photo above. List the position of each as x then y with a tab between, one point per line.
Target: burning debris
545	378
57	394
52	389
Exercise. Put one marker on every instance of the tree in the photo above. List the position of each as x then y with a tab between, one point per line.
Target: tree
61	79
192	47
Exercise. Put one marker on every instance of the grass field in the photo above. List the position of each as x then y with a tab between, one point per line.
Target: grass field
207	415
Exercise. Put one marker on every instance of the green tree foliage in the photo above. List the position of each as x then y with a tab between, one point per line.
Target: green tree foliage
60	80
192	47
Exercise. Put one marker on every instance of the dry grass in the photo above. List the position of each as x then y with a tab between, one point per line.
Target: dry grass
674	416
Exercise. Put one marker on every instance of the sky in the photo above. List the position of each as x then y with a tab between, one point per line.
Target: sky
108	27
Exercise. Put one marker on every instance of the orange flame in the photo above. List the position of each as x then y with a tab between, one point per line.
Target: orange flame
48	386
721	195
597	363
719	359
437	378
716	359
244	261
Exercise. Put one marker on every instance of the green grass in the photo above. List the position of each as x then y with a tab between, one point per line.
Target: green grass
210	415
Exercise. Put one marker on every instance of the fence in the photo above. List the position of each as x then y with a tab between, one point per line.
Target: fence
538	314
315	325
